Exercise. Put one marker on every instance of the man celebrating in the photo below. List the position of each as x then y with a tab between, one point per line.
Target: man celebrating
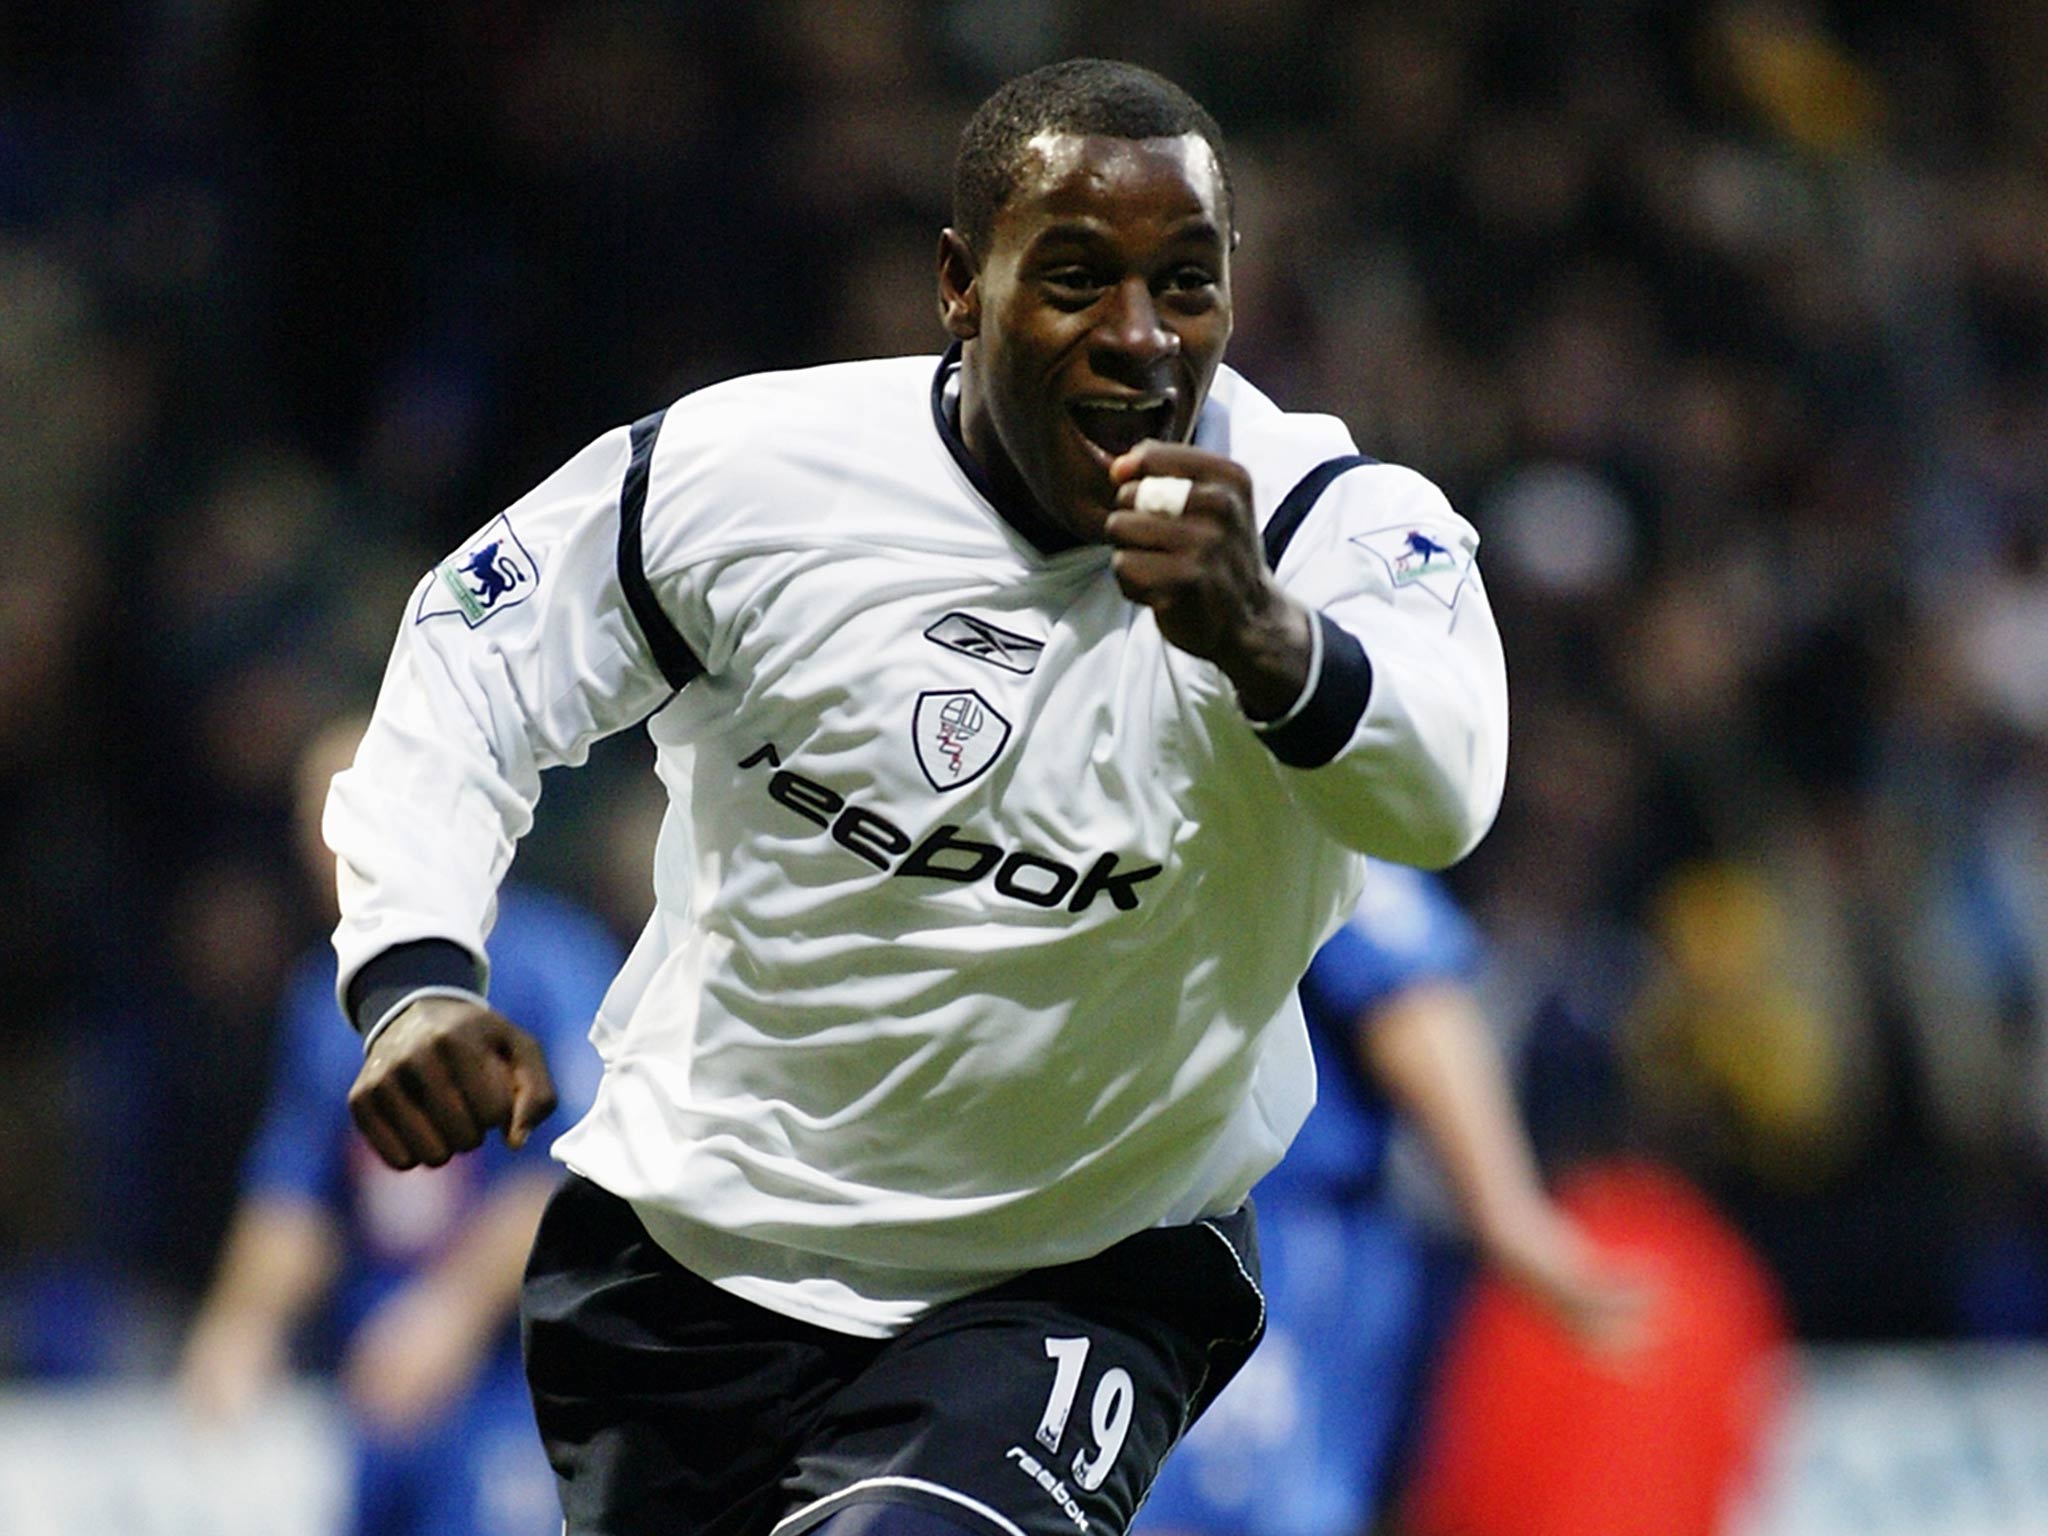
1026	716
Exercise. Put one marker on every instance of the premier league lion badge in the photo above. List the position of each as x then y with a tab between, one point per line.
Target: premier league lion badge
1414	557
489	574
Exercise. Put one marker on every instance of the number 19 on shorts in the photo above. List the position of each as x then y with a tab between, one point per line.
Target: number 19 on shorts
1109	1412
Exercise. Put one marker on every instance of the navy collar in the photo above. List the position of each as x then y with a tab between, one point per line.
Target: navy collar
1044	535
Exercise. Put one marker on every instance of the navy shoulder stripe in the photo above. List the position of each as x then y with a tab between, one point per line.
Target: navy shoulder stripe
1295	507
672	653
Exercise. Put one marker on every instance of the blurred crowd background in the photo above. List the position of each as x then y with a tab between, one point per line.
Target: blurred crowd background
1727	323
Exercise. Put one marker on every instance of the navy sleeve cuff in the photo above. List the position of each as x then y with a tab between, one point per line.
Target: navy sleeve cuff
1317	731
404	969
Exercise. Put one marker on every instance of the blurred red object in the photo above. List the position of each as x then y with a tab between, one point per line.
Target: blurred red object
1528	1435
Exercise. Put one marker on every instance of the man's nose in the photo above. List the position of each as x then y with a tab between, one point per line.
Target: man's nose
1131	330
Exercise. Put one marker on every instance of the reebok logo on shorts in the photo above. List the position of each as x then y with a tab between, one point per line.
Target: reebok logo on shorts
1056	1490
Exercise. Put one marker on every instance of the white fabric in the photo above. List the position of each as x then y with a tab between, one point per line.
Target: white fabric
834	1085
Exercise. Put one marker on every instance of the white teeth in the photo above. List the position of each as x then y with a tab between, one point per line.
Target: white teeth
1148	403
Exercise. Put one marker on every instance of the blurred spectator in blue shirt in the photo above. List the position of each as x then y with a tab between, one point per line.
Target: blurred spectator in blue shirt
411	1278
1304	1441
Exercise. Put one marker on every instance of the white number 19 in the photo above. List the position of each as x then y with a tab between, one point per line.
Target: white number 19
1109	1415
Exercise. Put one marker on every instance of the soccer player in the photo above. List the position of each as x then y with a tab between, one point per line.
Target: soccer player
413	1277
1303	1443
1026	716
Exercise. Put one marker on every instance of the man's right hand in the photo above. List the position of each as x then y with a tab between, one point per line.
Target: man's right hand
441	1075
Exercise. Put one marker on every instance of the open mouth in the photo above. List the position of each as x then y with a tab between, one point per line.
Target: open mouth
1116	425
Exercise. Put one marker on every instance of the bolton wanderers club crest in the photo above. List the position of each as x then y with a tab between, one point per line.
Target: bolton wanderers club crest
1415	558
489	574
958	735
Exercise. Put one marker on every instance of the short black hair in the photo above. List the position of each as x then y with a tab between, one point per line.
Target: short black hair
1101	97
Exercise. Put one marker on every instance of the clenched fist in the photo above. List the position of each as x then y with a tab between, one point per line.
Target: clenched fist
441	1076
1194	558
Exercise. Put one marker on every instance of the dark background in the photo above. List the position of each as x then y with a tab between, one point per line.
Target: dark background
1726	323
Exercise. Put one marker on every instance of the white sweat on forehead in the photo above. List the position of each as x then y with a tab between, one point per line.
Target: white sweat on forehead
1060	148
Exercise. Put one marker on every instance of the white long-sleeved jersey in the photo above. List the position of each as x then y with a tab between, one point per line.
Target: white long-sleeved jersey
979	907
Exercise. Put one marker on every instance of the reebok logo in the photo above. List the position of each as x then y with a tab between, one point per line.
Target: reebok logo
984	641
1017	874
1040	1474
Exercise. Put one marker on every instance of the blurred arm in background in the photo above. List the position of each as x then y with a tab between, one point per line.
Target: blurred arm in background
410	1356
426	1269
424	1344
275	1269
1429	1049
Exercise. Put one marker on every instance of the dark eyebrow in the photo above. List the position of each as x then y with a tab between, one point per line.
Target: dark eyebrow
1196	230
1201	230
1077	231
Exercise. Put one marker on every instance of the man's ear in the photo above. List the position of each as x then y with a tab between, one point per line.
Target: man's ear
959	286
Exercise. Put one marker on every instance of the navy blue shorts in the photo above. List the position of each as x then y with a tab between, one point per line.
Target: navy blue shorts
1039	1407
